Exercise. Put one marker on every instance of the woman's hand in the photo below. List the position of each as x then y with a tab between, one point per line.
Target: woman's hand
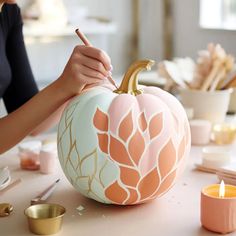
87	65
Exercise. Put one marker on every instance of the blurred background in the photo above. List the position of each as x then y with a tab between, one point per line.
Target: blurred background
174	33
127	29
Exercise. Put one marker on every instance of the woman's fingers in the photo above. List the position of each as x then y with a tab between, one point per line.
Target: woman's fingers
89	80
86	66
96	54
92	64
87	71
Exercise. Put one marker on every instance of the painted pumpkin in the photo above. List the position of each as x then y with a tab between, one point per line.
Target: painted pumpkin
126	146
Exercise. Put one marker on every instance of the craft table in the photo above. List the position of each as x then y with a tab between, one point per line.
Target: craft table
176	213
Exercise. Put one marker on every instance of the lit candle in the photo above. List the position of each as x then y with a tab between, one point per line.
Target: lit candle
218	208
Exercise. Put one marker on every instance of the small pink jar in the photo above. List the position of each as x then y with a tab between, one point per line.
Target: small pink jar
48	158
200	132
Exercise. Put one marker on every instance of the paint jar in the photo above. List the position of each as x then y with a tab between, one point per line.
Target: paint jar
200	131
28	153
48	158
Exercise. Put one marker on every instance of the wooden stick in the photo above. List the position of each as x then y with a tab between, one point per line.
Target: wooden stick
205	169
230	84
207	82
217	79
87	43
228	175
83	37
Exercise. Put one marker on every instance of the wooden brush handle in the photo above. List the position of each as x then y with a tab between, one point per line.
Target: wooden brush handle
230	84
217	79
207	82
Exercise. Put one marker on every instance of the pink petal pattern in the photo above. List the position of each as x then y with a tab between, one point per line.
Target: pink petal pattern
100	120
126	127
135	150
103	142
142	122
155	125
165	185
129	176
149	184
118	152
147	158
116	193
167	159
132	198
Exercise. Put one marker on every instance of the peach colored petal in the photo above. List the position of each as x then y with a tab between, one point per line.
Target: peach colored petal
133	197
116	193
149	184
126	127
136	147
100	120
167	158
155	125
119	107
181	149
118	152
129	176
103	142
166	184
142	122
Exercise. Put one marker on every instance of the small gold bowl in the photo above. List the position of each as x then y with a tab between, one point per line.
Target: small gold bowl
224	133
45	219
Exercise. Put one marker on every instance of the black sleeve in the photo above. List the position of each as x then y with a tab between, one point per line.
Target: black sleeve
22	86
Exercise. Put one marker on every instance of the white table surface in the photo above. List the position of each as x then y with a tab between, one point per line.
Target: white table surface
176	213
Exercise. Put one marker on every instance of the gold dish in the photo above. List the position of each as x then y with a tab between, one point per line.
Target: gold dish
45	219
5	209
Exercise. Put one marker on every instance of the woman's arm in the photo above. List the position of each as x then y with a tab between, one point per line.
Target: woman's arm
51	121
87	65
22	121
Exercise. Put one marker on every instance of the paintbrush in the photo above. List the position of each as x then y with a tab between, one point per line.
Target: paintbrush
87	43
42	197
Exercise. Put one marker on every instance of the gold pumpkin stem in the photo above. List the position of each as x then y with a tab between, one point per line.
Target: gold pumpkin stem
130	82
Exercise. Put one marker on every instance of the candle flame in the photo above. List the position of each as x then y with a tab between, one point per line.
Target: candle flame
222	189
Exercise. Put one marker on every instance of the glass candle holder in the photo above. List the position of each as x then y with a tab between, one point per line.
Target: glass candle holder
224	133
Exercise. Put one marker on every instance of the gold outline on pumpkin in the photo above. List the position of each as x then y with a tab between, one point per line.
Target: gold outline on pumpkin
67	161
